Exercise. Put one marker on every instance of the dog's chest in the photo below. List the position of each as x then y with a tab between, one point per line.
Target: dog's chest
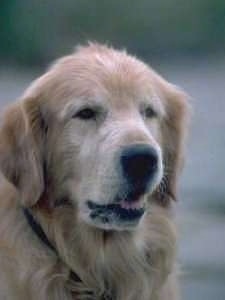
115	277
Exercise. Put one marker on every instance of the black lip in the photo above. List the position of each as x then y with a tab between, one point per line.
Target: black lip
113	211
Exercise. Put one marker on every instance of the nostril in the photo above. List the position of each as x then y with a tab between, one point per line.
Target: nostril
139	162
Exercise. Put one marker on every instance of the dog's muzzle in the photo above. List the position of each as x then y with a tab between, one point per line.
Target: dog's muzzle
138	165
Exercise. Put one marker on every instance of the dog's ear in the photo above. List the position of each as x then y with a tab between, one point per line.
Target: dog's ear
174	128
21	142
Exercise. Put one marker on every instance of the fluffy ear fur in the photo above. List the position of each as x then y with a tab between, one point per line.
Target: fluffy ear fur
21	142
173	128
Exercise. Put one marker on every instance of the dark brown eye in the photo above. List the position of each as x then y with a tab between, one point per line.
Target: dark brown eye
86	114
149	113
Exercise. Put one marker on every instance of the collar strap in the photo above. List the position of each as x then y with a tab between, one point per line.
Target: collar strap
37	229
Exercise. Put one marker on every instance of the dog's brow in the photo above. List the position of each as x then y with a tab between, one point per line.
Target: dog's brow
155	102
74	105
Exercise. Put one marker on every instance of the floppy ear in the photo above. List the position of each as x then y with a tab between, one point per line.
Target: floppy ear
21	142
173	128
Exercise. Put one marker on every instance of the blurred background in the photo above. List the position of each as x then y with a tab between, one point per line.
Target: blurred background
185	42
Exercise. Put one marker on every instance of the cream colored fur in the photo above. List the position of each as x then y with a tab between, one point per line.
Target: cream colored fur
46	155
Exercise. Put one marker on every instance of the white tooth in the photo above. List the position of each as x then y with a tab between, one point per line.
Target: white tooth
134	206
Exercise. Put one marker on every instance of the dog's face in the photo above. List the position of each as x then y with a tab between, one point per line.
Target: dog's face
108	149
118	158
101	124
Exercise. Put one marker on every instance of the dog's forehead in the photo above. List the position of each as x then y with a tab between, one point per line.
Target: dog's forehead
97	74
110	76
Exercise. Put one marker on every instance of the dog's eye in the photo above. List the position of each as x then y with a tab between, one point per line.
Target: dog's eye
149	113
86	114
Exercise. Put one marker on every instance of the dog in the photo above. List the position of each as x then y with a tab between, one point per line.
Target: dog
90	156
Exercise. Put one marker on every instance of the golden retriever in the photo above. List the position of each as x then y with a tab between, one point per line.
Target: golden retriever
89	159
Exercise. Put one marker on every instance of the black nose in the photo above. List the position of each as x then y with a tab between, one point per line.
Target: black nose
139	163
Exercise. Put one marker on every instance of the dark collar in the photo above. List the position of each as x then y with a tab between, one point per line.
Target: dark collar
37	229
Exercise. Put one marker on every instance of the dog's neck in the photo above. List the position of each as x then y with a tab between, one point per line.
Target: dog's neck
118	263
97	266
39	232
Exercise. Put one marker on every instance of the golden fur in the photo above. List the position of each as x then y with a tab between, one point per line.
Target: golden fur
48	157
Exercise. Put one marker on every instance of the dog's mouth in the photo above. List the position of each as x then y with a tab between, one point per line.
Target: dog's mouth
122	212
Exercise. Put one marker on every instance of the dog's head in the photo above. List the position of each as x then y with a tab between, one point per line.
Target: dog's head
101	131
